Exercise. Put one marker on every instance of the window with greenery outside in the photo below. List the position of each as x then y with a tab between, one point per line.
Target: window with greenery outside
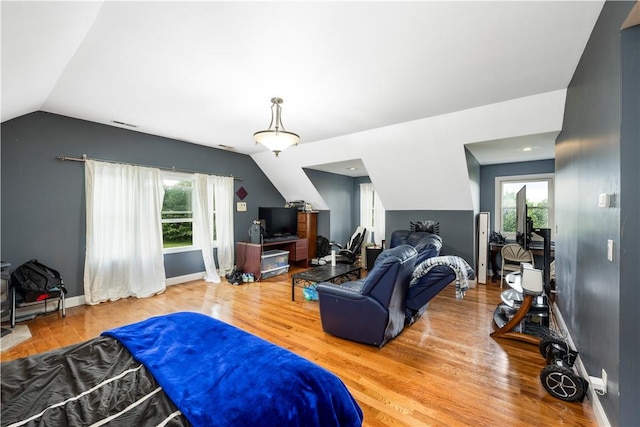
177	214
537	209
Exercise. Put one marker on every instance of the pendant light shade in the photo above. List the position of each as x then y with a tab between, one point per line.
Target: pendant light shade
276	138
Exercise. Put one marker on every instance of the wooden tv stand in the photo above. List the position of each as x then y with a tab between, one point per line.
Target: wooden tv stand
249	255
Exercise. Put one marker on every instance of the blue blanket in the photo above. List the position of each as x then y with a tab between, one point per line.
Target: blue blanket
219	375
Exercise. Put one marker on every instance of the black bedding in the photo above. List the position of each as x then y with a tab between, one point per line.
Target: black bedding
179	369
84	384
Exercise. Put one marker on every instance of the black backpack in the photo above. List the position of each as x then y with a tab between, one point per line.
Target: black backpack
324	248
33	279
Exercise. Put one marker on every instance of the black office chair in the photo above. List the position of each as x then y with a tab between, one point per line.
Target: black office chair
349	252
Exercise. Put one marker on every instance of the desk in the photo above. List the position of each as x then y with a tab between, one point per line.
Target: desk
250	254
495	249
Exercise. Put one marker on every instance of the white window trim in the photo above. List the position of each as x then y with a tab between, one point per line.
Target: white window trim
524	178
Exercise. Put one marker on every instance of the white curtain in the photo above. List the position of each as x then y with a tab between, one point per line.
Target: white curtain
124	232
203	224
223	193
214	194
372	212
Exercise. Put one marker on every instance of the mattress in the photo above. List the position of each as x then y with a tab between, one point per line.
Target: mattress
176	370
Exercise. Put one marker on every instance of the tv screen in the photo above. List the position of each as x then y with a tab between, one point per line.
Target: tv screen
279	222
522	223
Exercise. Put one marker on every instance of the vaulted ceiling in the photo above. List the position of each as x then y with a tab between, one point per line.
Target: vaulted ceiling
204	72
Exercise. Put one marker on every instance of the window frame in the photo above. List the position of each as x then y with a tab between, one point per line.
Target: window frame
180	176
501	180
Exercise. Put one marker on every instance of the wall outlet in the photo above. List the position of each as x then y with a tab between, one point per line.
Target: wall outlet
599	385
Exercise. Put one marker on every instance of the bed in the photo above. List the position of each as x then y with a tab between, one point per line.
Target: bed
174	370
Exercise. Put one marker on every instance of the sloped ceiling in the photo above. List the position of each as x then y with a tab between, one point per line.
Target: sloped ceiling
204	72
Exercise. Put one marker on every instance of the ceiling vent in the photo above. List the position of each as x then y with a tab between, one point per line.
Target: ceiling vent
129	125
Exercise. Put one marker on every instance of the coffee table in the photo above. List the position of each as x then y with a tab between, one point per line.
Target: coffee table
324	273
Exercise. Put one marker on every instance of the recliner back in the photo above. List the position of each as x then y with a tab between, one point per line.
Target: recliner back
427	244
387	266
388	283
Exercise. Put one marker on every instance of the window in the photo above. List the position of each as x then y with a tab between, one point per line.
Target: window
177	211
540	206
178	223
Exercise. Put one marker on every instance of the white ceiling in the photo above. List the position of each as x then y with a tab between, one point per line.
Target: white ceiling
353	168
204	72
539	146
525	148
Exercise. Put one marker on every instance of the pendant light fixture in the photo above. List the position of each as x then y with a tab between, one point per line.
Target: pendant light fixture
276	138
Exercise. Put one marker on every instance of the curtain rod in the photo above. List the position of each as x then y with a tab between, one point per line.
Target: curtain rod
173	169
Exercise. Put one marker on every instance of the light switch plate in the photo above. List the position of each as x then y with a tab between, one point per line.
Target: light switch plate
610	250
603	200
241	206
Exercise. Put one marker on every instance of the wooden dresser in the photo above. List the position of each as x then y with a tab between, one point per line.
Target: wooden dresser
308	228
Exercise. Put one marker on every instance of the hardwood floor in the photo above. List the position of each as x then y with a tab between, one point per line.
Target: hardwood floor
444	370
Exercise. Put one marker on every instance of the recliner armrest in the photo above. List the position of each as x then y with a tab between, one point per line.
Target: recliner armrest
349	290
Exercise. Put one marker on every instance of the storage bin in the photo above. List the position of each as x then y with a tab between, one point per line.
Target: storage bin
274	259
270	273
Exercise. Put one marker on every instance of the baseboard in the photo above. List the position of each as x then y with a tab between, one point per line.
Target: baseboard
186	278
79	300
594	398
74	301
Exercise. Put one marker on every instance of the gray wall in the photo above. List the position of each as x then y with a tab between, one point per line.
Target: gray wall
342	194
456	229
43	204
337	191
630	229
598	307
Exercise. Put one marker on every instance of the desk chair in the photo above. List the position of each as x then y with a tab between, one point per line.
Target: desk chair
349	252
512	256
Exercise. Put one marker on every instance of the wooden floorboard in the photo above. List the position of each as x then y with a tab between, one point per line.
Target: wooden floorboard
444	370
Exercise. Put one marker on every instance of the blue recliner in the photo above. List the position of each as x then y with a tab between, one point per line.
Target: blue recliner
370	310
433	272
427	244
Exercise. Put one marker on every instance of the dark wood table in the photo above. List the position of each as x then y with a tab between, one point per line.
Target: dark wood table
325	273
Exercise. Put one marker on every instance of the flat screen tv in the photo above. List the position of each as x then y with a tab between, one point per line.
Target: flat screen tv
279	222
523	222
